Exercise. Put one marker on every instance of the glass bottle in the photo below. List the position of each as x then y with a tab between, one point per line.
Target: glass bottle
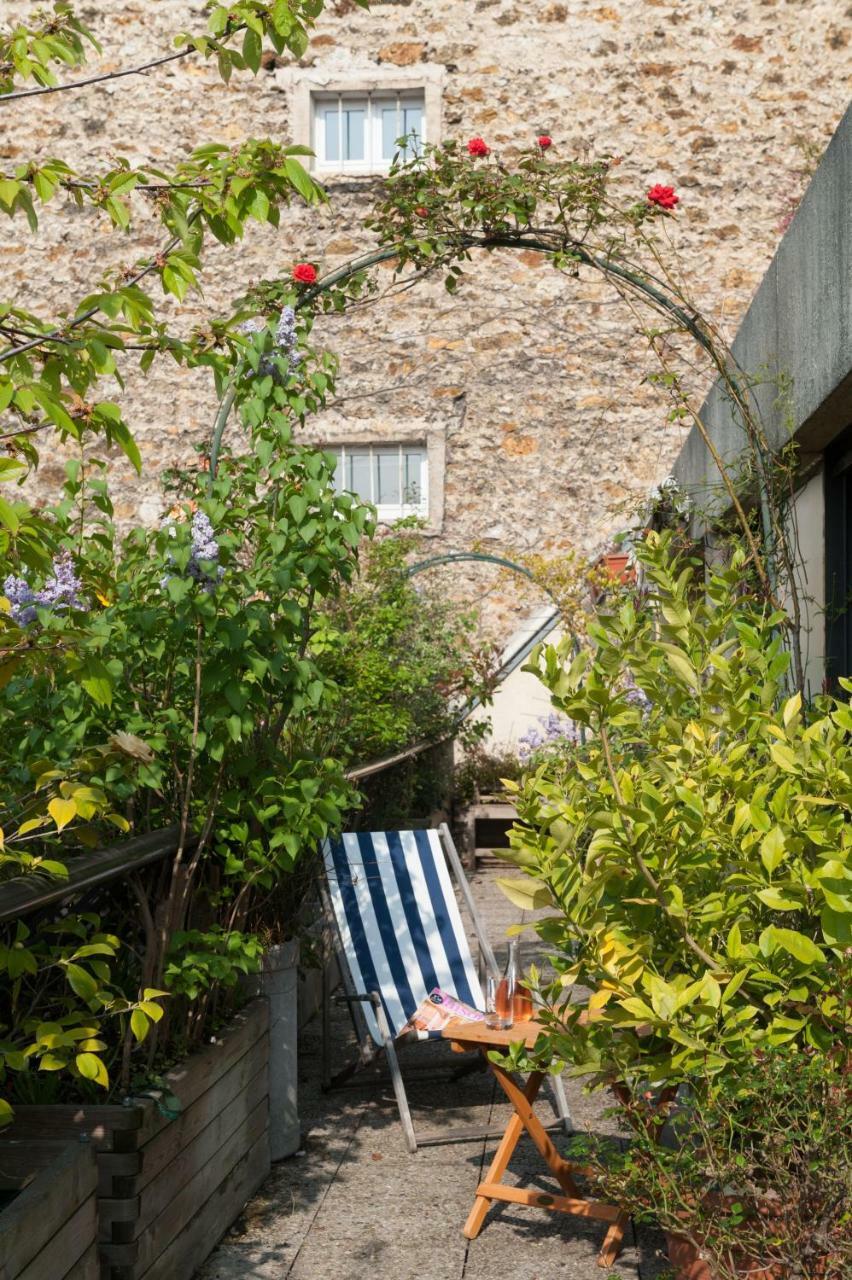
513	1002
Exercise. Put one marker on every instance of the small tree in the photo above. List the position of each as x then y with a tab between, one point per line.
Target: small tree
697	848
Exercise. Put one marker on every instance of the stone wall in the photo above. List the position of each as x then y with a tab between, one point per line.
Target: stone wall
534	383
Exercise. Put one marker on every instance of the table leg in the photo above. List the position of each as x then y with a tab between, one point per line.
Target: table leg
489	1190
560	1168
502	1156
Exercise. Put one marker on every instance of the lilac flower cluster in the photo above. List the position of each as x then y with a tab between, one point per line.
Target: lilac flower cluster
286	340
554	728
204	550
203	566
60	591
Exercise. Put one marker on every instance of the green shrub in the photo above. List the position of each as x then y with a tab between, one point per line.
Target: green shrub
698	854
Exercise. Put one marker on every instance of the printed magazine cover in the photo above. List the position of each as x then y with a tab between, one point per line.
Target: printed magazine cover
438	1009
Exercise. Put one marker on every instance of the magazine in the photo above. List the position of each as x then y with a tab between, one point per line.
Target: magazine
438	1009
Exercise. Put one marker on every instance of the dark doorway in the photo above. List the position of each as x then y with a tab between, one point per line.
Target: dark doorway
838	558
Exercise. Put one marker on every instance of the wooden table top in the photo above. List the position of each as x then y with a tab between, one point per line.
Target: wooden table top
476	1033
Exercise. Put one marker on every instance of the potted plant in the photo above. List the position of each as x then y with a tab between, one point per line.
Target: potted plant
697	856
759	1180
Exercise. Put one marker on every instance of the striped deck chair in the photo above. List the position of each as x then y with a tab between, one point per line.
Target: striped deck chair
400	935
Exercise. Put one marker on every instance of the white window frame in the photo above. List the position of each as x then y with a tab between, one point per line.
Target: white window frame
373	101
303	84
389	511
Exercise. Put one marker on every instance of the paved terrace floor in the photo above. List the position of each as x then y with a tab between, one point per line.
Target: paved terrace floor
354	1205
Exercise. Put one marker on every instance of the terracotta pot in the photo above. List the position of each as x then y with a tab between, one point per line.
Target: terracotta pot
688	1264
685	1259
618	566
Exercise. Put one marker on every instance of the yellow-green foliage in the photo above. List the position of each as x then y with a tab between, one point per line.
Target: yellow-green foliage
699	851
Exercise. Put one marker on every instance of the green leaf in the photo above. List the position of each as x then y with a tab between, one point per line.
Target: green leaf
529	895
9	516
97	682
139	1024
81	982
772	849
62	812
91	1067
799	946
776	901
302	181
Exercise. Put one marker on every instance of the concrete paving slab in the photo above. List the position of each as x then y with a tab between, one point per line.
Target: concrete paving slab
355	1206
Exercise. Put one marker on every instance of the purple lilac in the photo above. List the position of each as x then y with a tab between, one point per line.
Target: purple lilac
60	591
286	340
554	728
204	550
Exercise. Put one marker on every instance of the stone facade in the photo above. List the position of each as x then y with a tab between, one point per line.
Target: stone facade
527	386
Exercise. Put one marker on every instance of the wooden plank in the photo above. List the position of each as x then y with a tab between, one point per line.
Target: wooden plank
21	1161
28	893
167	1143
39	1212
596	1209
88	1267
69	1122
195	1156
188	1201
202	1233
475	1035
66	1248
200	1071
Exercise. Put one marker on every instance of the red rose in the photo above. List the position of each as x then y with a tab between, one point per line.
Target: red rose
304	273
664	197
477	147
544	142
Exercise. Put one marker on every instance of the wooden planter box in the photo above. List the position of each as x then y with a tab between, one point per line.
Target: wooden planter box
50	1230
169	1188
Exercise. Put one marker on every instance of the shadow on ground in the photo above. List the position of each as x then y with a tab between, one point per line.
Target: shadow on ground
354	1204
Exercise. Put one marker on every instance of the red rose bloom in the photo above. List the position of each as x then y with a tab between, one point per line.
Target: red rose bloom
544	142
477	147
304	273
664	197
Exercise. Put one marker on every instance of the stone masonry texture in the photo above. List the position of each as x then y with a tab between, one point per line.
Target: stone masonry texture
535	382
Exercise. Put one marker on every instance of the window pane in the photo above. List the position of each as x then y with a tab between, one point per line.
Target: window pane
387	471
329	119
413	479
353	132
358	469
390	132
412	121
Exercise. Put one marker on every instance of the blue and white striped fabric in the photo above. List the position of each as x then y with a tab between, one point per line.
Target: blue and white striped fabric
399	921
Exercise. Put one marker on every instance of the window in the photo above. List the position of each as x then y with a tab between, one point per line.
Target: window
359	132
393	477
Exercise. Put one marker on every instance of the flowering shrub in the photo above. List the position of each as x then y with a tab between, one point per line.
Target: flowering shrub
196	655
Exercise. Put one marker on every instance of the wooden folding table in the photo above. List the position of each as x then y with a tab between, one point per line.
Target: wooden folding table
469	1037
